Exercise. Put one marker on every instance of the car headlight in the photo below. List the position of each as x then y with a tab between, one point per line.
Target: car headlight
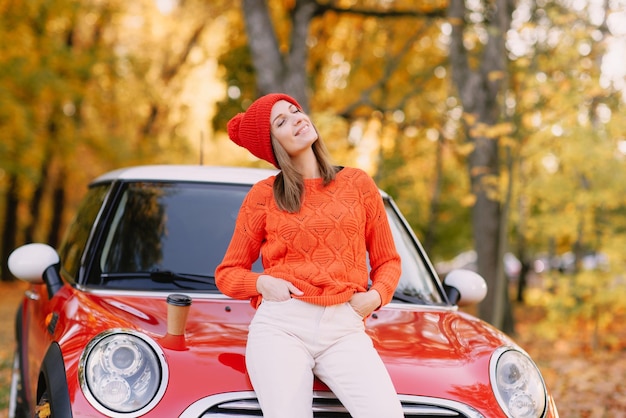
517	384
123	373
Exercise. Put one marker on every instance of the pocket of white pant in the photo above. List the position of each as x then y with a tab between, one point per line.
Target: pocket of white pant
277	302
354	312
274	307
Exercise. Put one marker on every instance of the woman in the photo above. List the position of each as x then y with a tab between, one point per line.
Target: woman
313	224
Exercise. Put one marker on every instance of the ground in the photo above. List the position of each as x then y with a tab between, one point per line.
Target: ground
10	296
585	383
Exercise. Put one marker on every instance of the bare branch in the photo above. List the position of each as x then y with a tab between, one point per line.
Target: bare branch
170	71
382	13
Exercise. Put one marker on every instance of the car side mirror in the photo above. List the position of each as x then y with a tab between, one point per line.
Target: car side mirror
36	263
464	287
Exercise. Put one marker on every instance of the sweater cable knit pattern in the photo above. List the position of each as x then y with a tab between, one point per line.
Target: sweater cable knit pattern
322	249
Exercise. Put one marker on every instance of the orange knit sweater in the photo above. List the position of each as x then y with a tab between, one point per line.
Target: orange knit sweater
322	249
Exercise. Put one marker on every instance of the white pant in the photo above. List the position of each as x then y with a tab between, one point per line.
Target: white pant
291	341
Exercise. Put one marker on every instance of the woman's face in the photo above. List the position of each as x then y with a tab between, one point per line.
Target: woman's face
292	128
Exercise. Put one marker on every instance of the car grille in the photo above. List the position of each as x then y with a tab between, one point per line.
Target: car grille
325	405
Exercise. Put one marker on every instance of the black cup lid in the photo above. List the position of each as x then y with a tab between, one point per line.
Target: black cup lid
178	300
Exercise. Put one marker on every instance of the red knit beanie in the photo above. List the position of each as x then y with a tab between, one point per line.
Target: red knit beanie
251	129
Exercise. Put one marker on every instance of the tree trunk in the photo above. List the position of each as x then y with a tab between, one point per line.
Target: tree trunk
37	199
277	72
433	210
58	205
478	90
9	233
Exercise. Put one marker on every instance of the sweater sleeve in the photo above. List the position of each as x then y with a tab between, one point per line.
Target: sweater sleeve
385	261
233	276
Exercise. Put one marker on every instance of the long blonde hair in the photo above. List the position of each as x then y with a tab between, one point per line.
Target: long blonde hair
289	183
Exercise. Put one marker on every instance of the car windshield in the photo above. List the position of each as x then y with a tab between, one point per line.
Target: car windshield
165	236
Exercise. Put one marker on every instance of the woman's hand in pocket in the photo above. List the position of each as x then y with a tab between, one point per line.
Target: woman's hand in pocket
275	289
364	303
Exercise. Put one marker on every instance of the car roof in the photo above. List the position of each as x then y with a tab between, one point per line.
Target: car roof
193	173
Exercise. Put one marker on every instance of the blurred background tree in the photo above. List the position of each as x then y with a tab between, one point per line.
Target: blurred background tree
412	93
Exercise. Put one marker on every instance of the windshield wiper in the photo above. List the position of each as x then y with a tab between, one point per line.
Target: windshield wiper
168	276
417	298
180	280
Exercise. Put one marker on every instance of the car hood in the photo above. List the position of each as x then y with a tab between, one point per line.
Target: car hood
429	351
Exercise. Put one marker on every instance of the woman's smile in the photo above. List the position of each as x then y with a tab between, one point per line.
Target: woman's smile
302	129
292	128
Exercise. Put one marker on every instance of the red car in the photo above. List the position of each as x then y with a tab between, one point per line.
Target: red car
93	338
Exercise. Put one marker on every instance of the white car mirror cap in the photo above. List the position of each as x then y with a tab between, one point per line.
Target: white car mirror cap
29	261
470	285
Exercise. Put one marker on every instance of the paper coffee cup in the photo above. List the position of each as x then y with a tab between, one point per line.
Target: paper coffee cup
177	311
